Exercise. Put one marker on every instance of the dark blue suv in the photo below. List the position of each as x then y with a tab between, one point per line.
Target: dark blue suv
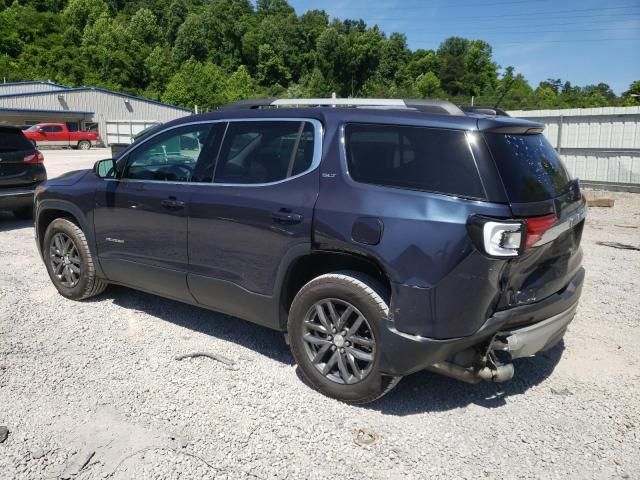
383	236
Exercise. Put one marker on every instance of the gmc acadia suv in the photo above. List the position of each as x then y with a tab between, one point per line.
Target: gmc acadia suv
383	240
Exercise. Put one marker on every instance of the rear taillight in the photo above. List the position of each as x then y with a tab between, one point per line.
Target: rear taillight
536	228
508	238
36	157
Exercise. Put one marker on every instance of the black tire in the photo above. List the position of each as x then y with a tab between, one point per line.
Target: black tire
84	145
35	145
370	299
24	213
88	284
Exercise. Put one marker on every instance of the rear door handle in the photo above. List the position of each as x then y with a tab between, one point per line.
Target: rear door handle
172	204
286	217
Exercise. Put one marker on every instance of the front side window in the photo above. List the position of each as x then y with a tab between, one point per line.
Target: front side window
414	158
265	152
171	156
52	129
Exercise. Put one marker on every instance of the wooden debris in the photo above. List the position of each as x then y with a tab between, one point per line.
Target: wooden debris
601	202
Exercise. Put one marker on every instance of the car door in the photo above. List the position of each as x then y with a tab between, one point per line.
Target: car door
255	216
56	135
140	218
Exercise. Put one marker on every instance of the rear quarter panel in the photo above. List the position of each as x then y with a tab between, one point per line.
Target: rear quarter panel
442	286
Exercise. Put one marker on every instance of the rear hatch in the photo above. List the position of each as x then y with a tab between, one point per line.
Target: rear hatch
540	190
20	163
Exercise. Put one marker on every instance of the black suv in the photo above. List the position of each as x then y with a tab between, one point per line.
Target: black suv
383	240
21	171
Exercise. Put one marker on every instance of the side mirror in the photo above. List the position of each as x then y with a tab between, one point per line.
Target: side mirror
105	168
41	130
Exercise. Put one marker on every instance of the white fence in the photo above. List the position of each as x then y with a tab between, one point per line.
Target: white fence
601	146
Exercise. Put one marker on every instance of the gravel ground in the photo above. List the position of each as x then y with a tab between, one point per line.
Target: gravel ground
96	382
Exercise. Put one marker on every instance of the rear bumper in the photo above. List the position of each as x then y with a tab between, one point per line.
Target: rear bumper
527	341
403	354
16	198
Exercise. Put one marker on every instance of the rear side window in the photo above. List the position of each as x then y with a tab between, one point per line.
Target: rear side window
13	141
265	152
415	158
530	168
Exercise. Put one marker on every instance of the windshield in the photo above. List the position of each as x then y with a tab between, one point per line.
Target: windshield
33	128
530	168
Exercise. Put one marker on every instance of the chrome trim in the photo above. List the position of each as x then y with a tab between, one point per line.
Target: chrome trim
557	230
16	194
317	151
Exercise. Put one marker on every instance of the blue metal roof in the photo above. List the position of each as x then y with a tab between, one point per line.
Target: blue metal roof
37	82
98	89
31	110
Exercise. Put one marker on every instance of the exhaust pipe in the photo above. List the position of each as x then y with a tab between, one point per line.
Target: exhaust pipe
498	374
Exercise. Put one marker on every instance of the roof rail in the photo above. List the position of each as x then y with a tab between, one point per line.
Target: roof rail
441	107
493	111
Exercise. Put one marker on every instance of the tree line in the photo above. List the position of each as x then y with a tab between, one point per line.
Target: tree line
211	52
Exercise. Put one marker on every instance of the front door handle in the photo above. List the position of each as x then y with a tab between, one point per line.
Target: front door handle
284	216
172	204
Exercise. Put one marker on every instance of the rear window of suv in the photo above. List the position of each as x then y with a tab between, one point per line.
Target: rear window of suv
414	158
13	141
530	168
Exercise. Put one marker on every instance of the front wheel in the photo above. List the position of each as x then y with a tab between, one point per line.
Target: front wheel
84	145
69	261
333	328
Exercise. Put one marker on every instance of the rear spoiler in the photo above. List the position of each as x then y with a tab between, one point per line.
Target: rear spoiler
491	111
509	126
516	130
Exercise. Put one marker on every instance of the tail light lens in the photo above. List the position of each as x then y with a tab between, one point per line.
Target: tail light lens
508	238
503	239
536	228
36	157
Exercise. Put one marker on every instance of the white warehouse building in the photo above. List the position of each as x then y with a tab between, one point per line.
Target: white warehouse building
600	146
116	116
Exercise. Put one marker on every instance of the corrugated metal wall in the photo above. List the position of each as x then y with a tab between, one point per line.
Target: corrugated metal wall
598	145
26	87
105	105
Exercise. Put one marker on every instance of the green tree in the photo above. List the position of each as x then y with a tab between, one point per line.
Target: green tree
83	13
196	83
239	86
428	85
189	40
271	68
632	96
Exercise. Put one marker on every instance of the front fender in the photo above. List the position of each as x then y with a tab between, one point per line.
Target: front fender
46	206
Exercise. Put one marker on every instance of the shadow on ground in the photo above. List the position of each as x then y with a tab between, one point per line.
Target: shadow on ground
8	222
418	393
254	337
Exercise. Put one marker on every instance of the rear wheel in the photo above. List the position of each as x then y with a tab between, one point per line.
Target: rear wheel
84	145
69	261
334	335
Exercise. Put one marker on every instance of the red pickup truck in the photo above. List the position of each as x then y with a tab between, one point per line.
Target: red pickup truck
59	135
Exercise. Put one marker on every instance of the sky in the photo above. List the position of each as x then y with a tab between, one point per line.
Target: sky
583	41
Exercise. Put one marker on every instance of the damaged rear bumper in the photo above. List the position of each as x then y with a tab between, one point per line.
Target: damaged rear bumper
548	320
527	341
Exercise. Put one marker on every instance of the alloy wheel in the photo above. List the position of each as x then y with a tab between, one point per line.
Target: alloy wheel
339	341
65	260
